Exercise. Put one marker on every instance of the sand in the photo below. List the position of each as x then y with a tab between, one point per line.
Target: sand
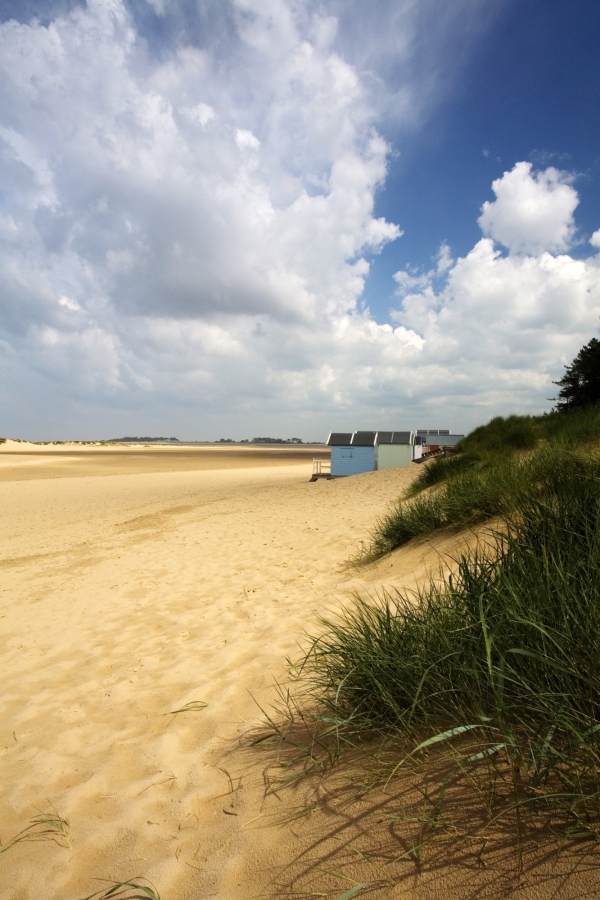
136	581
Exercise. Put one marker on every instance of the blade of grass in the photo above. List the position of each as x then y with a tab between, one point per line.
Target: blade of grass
43	827
120	888
192	706
353	891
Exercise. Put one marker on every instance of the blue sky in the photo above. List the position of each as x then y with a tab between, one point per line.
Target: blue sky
288	216
529	91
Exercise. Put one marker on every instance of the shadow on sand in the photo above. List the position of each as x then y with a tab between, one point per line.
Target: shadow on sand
430	831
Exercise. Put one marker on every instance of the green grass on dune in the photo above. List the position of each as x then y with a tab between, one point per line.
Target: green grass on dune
525	432
495	666
495	465
499	435
503	438
512	628
504	651
469	496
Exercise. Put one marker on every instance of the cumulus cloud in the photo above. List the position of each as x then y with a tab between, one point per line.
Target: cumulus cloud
500	327
166	218
185	235
159	212
532	212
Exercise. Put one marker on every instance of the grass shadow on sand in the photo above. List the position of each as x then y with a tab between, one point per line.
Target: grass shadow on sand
433	828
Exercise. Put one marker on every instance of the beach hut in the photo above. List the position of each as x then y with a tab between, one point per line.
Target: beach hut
352	454
394	448
438	437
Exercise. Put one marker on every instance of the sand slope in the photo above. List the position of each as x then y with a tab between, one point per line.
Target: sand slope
125	596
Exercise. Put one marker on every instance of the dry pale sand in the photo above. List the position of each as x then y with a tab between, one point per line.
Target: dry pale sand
138	580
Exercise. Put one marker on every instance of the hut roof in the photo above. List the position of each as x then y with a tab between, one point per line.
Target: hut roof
339	439
402	437
363	439
394	437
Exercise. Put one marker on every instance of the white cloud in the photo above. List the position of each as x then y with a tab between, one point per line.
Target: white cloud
188	236
141	213
89	359
202	113
444	259
410	279
531	212
69	303
499	328
158	6
246	140
194	223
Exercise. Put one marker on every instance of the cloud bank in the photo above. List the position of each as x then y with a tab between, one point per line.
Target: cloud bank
185	236
513	311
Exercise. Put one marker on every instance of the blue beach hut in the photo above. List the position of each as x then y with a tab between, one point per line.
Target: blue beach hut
352	454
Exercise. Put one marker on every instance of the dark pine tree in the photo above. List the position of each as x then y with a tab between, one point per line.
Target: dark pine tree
580	385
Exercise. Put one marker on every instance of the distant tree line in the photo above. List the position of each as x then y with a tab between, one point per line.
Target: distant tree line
262	440
268	440
139	439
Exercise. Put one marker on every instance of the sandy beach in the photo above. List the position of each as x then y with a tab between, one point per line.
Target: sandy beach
136	581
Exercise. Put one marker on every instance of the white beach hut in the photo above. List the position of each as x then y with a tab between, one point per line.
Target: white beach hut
438	437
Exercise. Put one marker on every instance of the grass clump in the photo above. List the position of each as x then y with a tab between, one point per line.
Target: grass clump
479	482
45	827
442	468
506	650
471	494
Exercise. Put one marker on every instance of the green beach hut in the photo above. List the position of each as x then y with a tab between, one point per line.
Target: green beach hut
394	448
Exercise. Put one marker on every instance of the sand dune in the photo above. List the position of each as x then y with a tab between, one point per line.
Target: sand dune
135	582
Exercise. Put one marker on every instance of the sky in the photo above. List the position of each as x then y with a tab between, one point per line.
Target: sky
241	218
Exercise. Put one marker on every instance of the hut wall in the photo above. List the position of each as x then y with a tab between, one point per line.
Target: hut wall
393	455
352	460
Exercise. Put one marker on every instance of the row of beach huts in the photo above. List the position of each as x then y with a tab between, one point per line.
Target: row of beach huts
368	451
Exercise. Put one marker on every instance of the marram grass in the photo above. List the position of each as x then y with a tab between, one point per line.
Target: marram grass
465	490
503	655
